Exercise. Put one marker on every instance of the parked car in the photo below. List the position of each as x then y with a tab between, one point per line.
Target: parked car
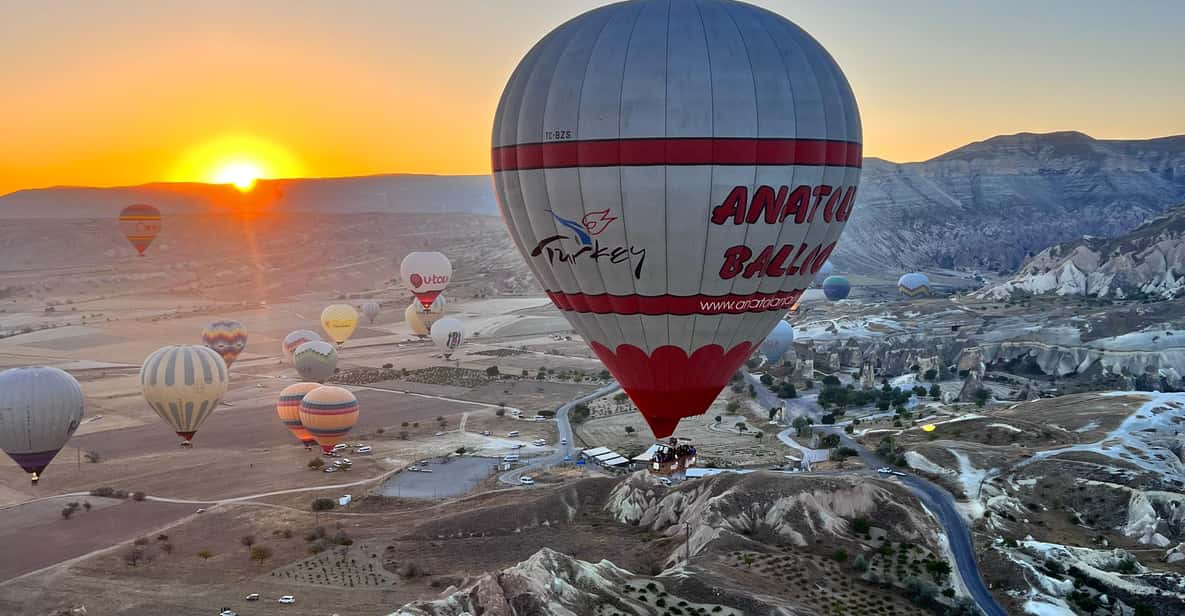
364	449
568	458
526	481
540	418
563	441
252	597
884	470
486	433
899	474
413	468
440	434
512	433
665	481
517	446
228	612
330	469
514	457
340	446
287	599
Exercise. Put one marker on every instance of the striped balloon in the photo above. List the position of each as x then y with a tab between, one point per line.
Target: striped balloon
914	284
293	341
226	338
39	410
328	413
371	310
183	384
140	223
315	361
288	408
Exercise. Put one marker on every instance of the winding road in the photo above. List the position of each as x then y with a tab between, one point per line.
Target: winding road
512	477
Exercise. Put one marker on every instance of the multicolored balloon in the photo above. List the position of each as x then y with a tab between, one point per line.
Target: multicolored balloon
339	321
777	342
288	408
315	361
836	288
371	310
675	174
328	413
183	384
226	338
421	320
448	334
140	223
40	408
914	284
293	341
427	274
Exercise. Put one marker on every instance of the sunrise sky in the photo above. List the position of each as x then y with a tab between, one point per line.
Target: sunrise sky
120	93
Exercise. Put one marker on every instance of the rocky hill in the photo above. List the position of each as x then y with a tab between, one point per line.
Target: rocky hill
1149	261
990	204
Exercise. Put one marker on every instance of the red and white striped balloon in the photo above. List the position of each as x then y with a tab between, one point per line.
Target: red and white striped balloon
675	173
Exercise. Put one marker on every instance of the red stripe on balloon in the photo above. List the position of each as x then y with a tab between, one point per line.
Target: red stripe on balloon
677	151
677	305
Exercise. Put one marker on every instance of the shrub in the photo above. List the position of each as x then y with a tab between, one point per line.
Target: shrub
388	365
840	555
205	554
247	540
861	526
260	553
501	412
403	435
492	371
323	504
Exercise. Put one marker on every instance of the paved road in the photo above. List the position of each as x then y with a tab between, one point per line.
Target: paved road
561	417
936	499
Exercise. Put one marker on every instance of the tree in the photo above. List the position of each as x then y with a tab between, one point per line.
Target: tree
492	371
767	380
135	556
630	430
930	374
205	554
773	412
501	412
732	407
580	413
166	547
935	392
316	464
461	451
322	504
620	397
861	526
758	435
830	441
403	435
718	419
247	541
260	553
981	396
827	419
67	512
801	423
741	427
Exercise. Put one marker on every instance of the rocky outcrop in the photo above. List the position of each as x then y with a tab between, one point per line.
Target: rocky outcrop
1147	262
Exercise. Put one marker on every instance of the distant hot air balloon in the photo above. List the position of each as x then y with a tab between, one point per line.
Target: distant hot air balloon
777	342
339	321
836	288
183	384
293	341
928	428
914	284
328	413
140	223
315	361
675	174
371	310
288	408
226	338
448	334
823	273
421	320
426	274
40	408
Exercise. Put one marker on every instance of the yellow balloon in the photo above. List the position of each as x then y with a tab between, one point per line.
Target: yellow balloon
928	428
420	320
339	321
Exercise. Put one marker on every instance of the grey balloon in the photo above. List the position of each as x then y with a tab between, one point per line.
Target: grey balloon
40	408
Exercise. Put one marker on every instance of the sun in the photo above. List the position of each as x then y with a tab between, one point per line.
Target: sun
240	173
239	160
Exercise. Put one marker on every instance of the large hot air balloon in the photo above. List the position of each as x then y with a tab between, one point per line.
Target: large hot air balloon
183	384
426	274
836	288
226	338
777	342
288	408
675	174
140	223
914	284
421	320
339	321
823	273
293	341
371	310
315	361
448	334
40	408
328	413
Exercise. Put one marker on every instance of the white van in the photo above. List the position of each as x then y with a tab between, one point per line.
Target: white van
512	433
514	457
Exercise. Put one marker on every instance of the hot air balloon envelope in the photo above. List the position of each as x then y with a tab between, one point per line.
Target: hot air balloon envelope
426	274
140	223
339	321
448	334
293	341
778	341
288	408
421	320
675	174
40	408
823	273
328	413
371	310
914	284
226	338
183	384
836	288
315	361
